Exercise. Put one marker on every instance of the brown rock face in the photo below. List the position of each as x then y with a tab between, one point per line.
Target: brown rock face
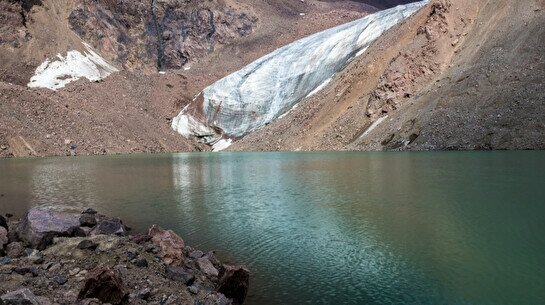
104	284
165	34
234	283
171	245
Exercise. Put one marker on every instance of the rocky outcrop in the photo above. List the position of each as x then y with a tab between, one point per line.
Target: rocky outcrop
163	34
114	269
267	88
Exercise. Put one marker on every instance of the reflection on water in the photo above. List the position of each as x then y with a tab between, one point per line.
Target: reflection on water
327	228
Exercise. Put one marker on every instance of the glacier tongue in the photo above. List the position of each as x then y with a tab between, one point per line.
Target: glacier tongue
262	91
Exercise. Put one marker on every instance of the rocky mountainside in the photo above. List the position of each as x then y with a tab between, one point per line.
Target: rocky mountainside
459	74
53	43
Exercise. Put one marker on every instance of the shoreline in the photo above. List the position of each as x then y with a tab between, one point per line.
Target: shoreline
59	256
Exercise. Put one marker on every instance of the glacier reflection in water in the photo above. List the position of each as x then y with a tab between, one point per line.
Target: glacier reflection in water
327	228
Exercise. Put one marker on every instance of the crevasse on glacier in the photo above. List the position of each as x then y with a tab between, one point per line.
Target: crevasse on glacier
265	89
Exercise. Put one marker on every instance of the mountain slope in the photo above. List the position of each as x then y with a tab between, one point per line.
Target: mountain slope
130	111
459	75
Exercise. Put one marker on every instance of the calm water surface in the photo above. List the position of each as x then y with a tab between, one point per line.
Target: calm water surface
327	228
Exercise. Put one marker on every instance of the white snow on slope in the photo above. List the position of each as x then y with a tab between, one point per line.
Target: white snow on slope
262	91
75	65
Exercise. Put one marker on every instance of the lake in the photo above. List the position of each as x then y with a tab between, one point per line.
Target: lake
326	228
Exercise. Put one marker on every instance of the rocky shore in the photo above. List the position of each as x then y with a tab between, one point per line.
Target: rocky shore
56	256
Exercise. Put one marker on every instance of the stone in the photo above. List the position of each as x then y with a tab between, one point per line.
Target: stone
206	266
179	274
39	226
144	294
20	297
89	211
132	253
55	267
3	222
141	239
60	280
109	227
234	282
105	285
196	254
15	250
90	302
78	232
87	220
171	245
26	271
5	261
74	271
3	238
142	263
193	289
87	245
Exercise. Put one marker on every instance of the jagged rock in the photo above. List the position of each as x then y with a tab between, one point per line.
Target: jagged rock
89	302
170	243
87	220
40	225
132	253
87	245
206	266
234	283
3	222
193	289
109	227
15	250
104	284
179	274
22	297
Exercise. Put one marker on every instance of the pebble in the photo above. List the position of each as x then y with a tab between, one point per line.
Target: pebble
59	279
193	289
74	271
55	267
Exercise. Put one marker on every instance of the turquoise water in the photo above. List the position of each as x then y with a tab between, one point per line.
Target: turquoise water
327	228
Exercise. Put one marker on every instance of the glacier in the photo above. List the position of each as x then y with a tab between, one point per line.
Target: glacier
75	65
272	85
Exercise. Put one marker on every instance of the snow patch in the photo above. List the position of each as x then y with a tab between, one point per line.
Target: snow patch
75	65
373	126
319	88
222	145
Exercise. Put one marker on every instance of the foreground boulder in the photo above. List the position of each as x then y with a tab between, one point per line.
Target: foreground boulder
22	297
234	283
40	225
170	243
105	285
